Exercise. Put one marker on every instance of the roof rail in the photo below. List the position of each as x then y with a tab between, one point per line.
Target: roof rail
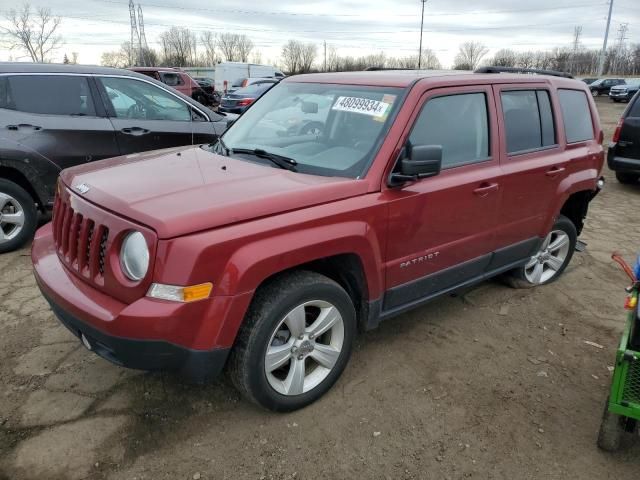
537	71
379	69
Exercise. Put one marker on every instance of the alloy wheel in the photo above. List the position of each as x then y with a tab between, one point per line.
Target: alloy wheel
304	347
550	259
12	218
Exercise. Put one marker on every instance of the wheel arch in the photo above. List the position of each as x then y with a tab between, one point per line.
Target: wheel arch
576	206
20	178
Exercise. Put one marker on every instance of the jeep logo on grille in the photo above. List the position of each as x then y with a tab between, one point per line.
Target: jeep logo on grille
82	188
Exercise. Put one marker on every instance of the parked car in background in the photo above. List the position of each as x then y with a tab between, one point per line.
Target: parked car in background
265	254
588	81
245	82
228	73
624	150
56	116
177	79
603	85
208	86
624	93
242	98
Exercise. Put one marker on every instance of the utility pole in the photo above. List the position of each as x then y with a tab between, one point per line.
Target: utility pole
144	47
325	55
421	27
606	37
135	37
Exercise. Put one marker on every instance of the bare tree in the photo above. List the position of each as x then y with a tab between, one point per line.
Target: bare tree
244	45
504	58
469	55
292	56
256	56
208	40
178	47
227	46
33	31
308	54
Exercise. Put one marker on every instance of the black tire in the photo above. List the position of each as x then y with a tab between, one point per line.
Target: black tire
627	178
517	279
25	201
270	305
616	432
616	100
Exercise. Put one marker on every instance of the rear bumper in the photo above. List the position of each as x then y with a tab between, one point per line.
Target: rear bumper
622	164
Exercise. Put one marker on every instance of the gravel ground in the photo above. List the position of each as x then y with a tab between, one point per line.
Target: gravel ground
495	383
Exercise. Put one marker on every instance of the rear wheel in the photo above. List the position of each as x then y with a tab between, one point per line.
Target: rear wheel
627	178
18	216
295	341
551	259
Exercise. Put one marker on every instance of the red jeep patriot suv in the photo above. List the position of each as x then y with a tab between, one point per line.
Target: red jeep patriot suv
267	251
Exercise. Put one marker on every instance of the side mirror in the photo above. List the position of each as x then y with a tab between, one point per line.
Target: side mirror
423	161
309	107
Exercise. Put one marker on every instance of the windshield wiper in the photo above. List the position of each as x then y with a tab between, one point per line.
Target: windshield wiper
278	160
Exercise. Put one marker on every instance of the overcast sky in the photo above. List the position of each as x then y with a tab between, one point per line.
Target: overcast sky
354	27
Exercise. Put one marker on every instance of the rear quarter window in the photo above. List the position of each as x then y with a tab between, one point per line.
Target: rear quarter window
576	115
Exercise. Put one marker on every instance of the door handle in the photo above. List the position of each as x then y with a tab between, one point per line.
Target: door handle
137	131
485	189
23	125
555	171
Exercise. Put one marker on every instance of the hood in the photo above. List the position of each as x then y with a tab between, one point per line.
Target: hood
187	189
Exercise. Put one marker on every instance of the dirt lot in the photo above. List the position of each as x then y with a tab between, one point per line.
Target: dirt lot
496	383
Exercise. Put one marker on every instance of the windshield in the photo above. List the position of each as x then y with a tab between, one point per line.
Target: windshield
332	130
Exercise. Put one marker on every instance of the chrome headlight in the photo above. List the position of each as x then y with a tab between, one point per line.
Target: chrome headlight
134	256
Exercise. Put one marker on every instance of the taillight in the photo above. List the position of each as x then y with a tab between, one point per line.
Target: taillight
616	134
245	101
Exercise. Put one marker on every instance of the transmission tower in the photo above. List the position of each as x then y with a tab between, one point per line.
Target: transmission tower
577	33
620	45
144	48
135	36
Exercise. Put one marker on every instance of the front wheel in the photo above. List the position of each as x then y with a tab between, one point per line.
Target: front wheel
595	93
550	260
295	341
18	216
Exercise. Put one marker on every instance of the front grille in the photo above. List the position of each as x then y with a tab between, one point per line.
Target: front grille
631	392
80	242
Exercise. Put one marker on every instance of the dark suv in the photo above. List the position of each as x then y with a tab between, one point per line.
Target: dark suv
624	151
265	253
56	116
602	86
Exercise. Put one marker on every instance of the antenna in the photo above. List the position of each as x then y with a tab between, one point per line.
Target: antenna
144	47
135	37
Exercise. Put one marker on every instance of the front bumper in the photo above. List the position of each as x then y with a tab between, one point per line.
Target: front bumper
196	365
619	96
147	334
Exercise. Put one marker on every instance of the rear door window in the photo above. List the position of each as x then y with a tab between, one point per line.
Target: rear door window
576	115
171	79
528	120
634	111
47	94
459	123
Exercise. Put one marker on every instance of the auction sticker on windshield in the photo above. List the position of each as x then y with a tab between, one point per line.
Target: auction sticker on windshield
366	106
